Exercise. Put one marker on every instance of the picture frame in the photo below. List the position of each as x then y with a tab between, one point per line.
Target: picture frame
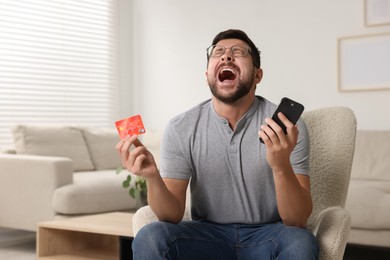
364	63
376	12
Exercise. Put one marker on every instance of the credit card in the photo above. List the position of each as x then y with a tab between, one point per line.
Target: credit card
130	126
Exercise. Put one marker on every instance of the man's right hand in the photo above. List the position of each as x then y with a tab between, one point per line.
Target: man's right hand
166	197
139	160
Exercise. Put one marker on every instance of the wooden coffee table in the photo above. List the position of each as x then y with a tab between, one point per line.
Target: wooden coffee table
102	236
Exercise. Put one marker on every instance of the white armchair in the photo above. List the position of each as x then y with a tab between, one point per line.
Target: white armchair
332	139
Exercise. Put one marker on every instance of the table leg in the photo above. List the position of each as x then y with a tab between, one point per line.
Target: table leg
125	251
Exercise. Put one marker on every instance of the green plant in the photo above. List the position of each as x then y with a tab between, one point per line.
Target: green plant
137	189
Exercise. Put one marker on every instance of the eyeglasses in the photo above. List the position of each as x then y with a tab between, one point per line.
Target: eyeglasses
219	50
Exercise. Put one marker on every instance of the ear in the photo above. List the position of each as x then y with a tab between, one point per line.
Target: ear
258	75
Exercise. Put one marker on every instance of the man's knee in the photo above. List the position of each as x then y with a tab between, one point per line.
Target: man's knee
301	242
150	235
151	241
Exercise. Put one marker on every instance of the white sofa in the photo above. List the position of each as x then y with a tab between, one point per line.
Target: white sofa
368	198
61	172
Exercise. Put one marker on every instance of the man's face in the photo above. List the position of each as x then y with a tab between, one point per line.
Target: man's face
229	77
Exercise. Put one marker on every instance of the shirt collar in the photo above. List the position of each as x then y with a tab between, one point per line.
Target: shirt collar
244	118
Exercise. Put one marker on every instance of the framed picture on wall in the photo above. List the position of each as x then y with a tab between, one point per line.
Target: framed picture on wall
376	12
364	63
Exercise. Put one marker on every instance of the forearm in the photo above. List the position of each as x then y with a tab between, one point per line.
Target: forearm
293	200
163	202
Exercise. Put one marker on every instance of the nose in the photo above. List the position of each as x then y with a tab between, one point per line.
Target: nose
228	55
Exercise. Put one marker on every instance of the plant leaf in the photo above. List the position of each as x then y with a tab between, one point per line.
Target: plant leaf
132	192
125	184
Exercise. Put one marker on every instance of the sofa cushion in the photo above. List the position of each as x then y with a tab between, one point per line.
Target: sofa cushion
101	144
93	192
53	141
372	149
369	204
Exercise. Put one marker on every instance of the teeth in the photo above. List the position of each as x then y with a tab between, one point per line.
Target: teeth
232	71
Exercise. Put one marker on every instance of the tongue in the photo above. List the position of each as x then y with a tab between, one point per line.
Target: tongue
226	75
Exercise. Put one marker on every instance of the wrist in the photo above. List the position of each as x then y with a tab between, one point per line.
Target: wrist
154	178
282	170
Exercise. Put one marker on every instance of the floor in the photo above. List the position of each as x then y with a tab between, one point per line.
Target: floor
20	245
17	245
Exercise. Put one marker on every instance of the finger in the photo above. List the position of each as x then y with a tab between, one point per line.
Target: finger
129	157
292	129
134	155
270	133
273	130
285	120
138	163
137	143
125	151
119	145
263	135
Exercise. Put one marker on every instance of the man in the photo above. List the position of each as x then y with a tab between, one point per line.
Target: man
249	200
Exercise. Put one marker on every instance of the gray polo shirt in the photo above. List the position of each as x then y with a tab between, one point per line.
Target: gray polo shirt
231	180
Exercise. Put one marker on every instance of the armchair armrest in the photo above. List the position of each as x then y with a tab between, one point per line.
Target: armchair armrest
27	186
142	217
145	215
332	227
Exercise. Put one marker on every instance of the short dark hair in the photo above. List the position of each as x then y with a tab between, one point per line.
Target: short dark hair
238	34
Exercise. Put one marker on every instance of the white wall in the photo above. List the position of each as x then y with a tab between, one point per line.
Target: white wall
298	40
125	45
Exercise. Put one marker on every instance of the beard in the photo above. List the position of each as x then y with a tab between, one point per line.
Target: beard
242	89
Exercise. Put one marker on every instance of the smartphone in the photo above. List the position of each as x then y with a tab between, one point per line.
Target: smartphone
291	109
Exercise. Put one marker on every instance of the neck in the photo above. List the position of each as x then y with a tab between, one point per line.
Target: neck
235	111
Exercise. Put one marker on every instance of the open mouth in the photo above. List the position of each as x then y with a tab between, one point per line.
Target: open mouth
226	74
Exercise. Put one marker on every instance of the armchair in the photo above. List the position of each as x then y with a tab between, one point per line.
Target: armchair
332	139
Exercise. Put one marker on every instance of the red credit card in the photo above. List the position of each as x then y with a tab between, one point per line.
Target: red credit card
130	126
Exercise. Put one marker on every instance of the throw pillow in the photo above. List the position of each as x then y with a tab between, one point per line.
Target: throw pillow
101	143
53	141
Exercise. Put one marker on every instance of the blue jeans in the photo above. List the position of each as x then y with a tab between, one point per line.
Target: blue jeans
204	240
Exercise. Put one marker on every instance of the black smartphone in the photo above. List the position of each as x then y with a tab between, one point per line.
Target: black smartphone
291	109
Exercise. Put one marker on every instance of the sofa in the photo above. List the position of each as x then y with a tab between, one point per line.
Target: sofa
368	198
59	172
